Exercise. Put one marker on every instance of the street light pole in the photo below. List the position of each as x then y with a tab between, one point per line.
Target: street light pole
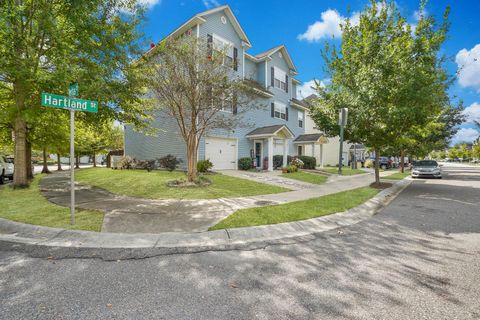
72	169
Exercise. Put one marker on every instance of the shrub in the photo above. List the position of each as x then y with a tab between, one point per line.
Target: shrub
297	163
204	165
292	168
278	160
369	163
148	165
308	162
169	162
127	162
245	163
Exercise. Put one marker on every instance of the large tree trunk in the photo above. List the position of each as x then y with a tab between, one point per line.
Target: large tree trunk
20	178
377	167
45	162
28	160
192	159
94	160
77	162
402	161
59	163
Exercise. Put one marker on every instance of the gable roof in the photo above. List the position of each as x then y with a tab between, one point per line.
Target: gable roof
269	131
311	138
286	55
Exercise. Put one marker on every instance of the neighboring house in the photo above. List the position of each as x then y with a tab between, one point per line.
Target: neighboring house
275	127
325	150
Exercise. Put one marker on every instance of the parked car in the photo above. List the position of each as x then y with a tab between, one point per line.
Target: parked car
426	168
6	169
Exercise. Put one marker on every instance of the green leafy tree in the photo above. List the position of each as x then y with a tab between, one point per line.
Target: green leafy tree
388	77
45	45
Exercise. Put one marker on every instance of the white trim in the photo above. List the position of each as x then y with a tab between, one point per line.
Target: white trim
243	60
266	75
198	30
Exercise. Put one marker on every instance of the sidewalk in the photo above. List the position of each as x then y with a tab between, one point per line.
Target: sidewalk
59	243
135	215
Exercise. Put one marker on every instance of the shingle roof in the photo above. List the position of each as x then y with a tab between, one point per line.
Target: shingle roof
257	86
268	52
312	137
269	130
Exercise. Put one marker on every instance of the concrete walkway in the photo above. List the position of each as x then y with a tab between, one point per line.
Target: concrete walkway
135	215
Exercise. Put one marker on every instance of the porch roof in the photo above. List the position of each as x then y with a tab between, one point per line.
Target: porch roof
311	138
279	130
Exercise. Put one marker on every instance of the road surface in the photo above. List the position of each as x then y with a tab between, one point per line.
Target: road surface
417	259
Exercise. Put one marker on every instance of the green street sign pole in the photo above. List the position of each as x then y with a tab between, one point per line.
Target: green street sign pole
73	104
72	156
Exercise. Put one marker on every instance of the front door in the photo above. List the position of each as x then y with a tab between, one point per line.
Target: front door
258	154
300	149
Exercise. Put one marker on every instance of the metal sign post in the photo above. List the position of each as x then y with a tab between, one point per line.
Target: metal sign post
342	122
72	104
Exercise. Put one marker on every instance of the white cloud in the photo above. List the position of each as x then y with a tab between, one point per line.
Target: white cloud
328	25
472	112
468	62
210	3
417	14
465	135
306	89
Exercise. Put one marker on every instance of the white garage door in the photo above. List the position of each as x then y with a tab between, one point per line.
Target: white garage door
221	152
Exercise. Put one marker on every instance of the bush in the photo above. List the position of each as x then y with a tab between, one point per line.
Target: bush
369	163
127	162
169	162
278	160
148	165
308	162
204	165
245	163
292	168
297	163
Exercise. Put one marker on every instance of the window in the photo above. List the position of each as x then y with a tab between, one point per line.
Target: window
280	78
280	111
300	119
227	105
223	47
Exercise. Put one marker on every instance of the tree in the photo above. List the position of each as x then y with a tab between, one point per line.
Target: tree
193	82
387	76
45	45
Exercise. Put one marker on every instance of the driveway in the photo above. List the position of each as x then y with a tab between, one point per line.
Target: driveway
419	258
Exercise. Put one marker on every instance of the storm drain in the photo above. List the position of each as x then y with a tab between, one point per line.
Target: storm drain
263	203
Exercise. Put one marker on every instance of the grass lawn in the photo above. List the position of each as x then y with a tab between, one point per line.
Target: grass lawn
346	171
306	177
152	185
299	210
397	175
29	206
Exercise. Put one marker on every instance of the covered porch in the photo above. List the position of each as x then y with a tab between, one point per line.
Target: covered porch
311	145
265	141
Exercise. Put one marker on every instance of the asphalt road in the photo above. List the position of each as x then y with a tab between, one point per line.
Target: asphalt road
417	259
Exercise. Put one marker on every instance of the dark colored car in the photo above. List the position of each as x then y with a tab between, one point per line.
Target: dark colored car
426	168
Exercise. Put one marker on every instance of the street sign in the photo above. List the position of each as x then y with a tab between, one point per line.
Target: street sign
73	90
62	102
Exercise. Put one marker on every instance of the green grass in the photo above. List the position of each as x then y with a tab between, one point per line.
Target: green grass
397	175
306	177
29	206
346	171
152	185
299	210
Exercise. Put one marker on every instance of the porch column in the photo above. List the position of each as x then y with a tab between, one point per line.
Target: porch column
270	154
285	152
321	155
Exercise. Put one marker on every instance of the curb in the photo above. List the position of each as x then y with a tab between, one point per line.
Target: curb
43	242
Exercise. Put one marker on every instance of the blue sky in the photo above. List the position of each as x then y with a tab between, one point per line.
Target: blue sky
304	26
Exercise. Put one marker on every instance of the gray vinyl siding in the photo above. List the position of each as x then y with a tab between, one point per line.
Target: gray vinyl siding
165	141
250	70
214	25
261	73
294	90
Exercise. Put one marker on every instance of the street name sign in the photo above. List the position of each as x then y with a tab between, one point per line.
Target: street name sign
62	102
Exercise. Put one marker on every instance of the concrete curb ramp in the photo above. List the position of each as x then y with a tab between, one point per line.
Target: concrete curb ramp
46	242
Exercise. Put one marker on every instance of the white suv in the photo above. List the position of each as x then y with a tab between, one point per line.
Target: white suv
6	169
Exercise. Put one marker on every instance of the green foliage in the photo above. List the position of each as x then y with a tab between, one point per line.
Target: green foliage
278	160
390	78
169	162
204	165
245	163
292	168
308	162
